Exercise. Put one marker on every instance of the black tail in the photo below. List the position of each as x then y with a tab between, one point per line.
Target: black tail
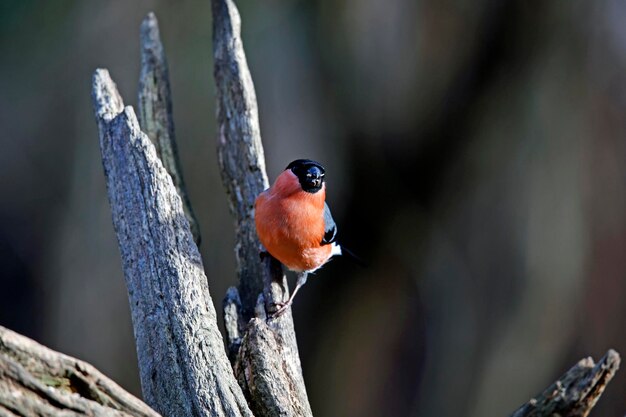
351	255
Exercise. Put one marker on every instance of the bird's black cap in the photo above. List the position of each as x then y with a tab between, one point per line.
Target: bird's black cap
309	173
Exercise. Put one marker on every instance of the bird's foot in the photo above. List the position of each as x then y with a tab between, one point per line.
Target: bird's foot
282	308
264	254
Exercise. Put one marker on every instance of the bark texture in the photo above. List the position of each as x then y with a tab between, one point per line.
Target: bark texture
576	392
266	371
183	366
240	152
37	381
155	110
267	362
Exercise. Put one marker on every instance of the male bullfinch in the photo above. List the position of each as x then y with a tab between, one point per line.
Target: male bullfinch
294	222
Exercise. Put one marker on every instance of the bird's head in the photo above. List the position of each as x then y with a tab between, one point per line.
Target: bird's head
310	174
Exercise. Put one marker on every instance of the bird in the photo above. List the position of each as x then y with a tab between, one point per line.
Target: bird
294	223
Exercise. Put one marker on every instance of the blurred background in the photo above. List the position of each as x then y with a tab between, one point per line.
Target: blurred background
475	156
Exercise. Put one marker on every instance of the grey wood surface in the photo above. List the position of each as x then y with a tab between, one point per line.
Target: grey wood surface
184	369
155	110
240	151
37	381
271	374
576	392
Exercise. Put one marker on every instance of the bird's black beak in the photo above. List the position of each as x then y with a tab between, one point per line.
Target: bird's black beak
314	182
311	176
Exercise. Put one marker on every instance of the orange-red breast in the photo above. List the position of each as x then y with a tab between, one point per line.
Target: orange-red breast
294	222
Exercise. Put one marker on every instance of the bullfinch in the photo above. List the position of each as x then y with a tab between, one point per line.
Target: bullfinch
294	223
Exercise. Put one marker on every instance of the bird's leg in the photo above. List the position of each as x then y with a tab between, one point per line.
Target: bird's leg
302	276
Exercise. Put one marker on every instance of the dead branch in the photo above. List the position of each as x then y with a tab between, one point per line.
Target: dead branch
155	111
242	165
240	152
183	367
36	381
576	392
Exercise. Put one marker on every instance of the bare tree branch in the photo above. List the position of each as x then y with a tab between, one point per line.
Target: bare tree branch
35	380
184	369
268	359
266	372
576	392
155	111
183	365
240	152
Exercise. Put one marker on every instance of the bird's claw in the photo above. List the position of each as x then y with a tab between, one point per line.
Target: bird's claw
282	308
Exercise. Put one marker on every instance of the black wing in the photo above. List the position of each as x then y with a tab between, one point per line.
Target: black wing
330	228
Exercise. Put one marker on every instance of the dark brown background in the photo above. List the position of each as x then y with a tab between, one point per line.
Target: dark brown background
475	156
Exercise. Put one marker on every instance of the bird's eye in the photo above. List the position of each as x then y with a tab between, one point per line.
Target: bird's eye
309	175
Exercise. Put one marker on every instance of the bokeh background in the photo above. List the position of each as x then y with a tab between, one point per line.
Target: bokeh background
475	156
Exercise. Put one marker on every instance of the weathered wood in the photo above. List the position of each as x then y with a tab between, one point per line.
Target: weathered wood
233	322
37	381
269	370
240	152
260	370
576	392
242	164
183	366
155	110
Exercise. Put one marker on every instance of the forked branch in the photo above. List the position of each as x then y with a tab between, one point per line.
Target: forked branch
184	369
